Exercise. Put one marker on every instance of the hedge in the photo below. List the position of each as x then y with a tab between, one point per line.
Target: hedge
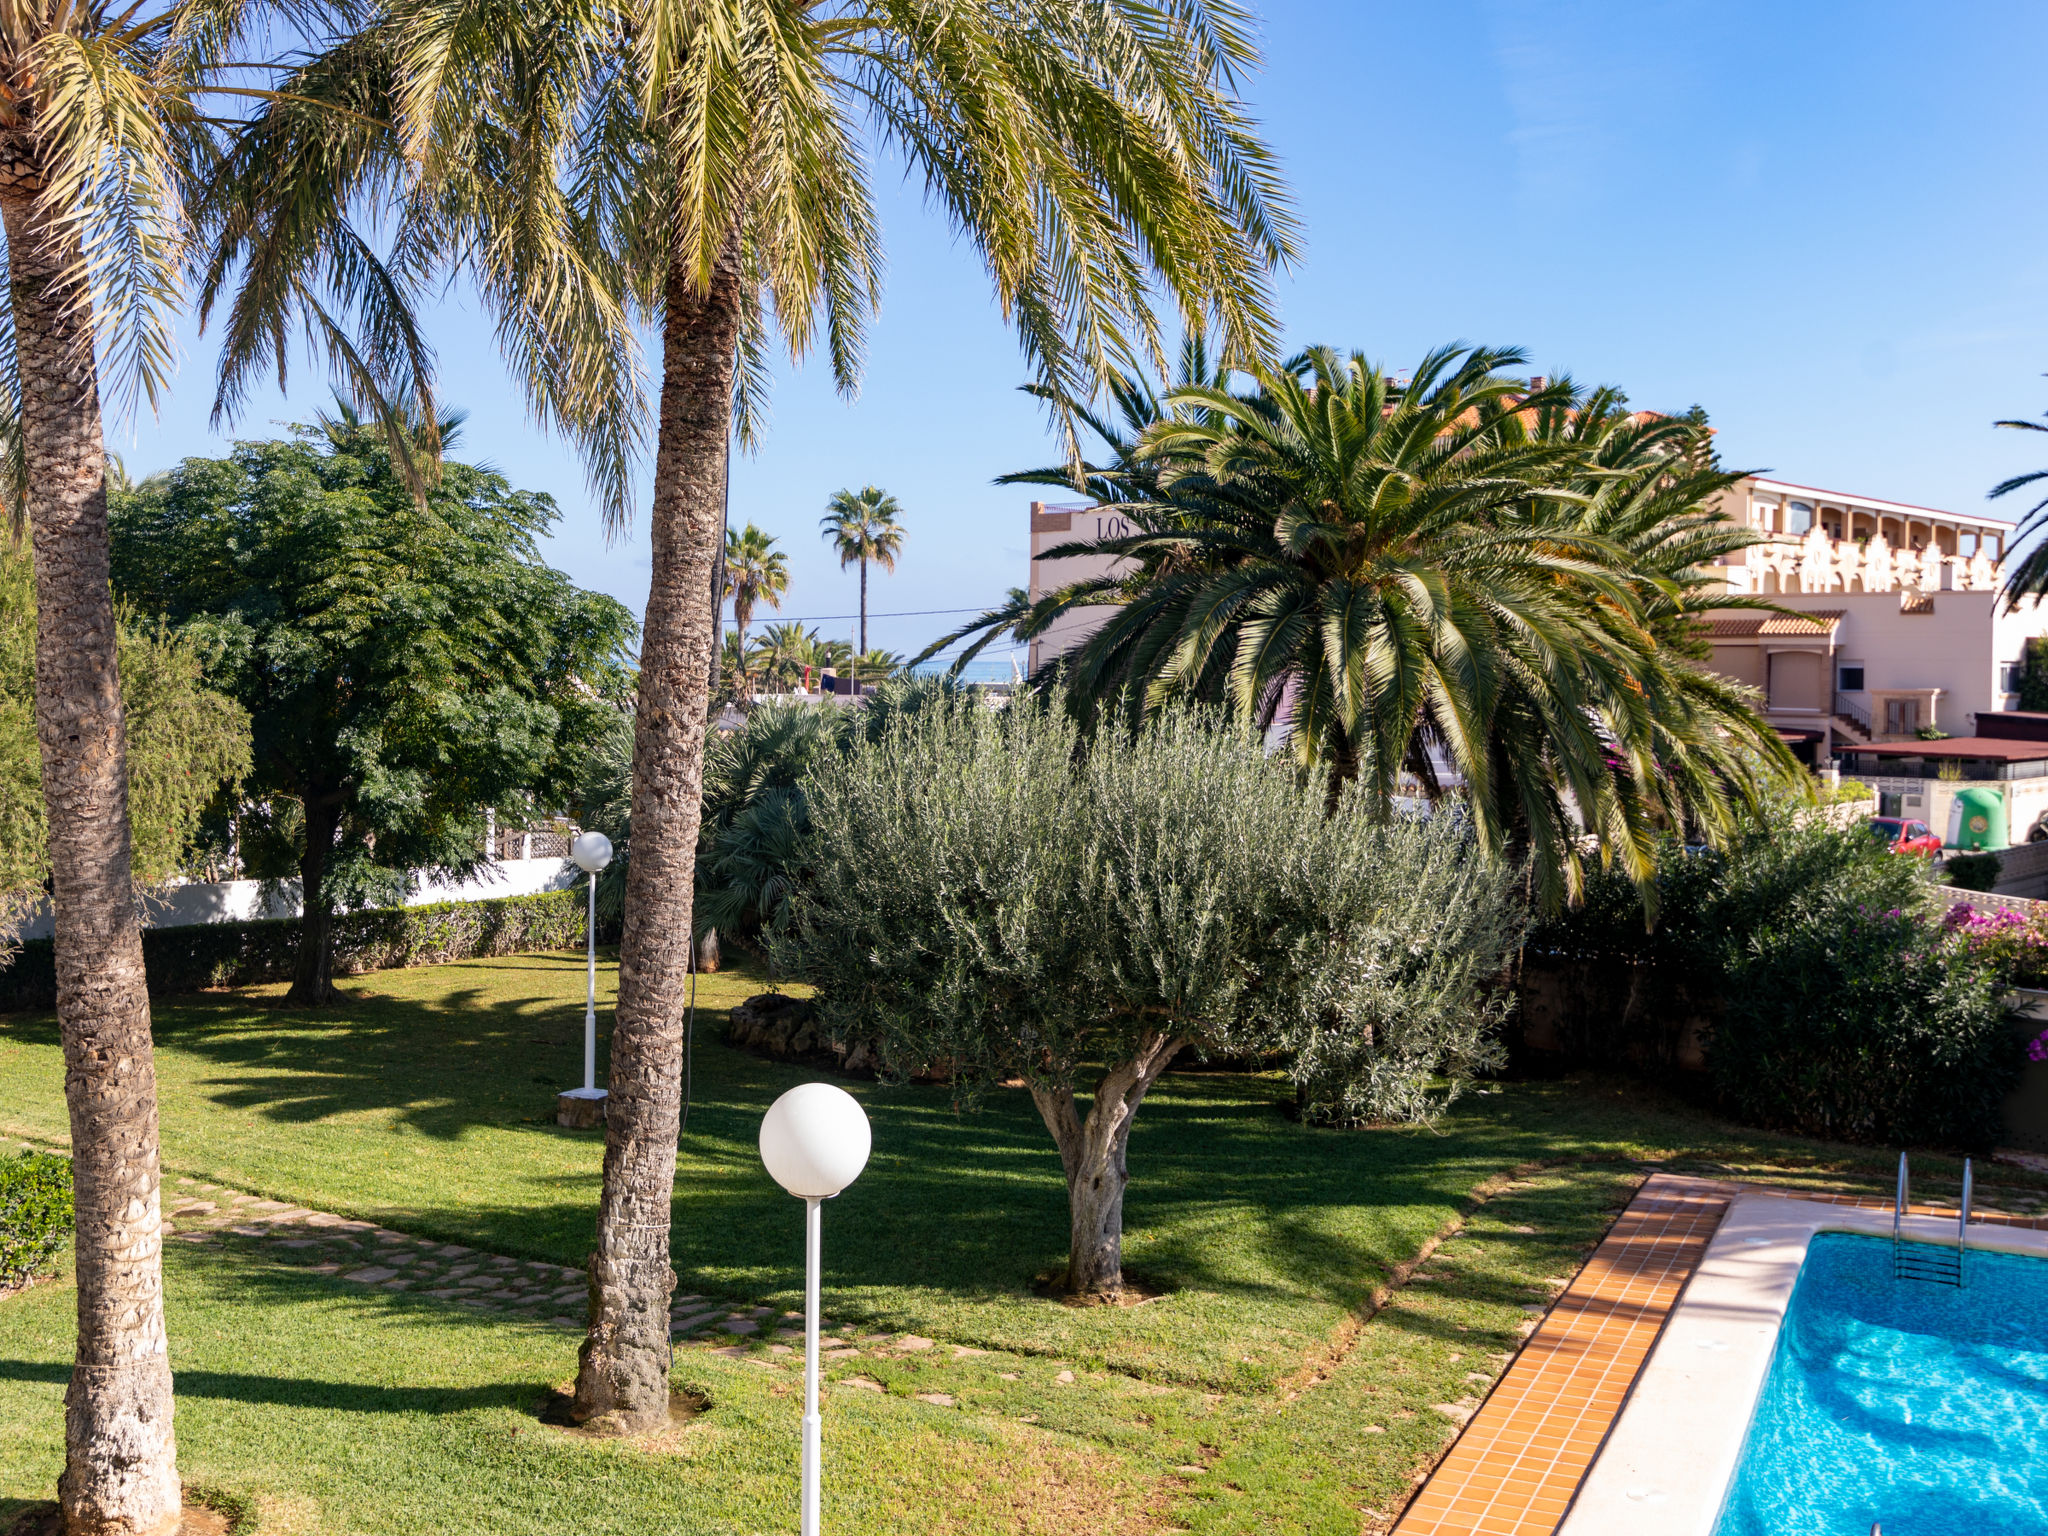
35	1214
202	955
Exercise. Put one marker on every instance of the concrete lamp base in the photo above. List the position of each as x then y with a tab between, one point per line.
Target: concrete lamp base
580	1108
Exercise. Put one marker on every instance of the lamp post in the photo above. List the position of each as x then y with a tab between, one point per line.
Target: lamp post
814	1142
579	1107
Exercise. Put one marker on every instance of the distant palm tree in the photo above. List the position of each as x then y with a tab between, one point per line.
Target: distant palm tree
862	526
755	572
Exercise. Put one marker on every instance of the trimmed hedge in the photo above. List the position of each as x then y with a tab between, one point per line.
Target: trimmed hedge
202	955
35	1214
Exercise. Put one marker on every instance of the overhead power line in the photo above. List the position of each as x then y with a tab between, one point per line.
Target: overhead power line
825	618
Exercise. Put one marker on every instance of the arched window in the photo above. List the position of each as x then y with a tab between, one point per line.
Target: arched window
1798	516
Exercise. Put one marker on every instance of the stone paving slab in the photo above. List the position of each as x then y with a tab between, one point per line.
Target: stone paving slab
365	1255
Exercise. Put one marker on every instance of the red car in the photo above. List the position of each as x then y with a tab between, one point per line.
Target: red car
1905	836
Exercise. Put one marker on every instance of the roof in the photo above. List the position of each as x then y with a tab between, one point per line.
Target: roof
2013	724
1992	748
1741	625
1973	518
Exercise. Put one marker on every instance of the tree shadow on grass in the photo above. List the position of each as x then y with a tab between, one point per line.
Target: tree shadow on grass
307	1392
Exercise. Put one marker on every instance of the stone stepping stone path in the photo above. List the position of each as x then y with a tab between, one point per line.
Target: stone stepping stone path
363	1254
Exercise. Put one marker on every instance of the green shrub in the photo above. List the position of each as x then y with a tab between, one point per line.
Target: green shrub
1790	865
35	1214
1972	871
201	955
1865	1025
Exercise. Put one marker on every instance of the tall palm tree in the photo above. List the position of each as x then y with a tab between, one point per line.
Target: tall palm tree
1416	582
862	526
755	572
109	137
99	133
703	167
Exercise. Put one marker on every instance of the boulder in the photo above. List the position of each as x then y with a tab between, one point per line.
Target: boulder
785	1028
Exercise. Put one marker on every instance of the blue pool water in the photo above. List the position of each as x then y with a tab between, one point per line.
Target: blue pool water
1895	1401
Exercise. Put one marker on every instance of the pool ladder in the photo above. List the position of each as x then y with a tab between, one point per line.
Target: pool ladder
1933	1262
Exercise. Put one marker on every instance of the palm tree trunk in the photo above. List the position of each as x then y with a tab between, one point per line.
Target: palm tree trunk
120	1462
863	607
622	1384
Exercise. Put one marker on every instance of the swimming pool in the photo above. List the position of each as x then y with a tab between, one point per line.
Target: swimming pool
1918	1406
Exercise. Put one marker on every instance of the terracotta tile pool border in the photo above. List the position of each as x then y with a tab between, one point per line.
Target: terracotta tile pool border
1519	1461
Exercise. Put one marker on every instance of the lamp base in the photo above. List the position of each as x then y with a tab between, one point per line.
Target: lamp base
580	1108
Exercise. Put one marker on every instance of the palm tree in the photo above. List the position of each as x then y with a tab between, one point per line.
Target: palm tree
862	526
703	167
104	136
755	572
2030	574
1420	582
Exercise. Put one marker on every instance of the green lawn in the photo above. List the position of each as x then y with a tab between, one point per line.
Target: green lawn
425	1104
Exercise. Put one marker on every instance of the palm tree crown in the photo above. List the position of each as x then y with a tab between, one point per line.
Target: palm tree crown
862	526
1456	580
755	572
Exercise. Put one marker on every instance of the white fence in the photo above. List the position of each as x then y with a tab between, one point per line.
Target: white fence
234	901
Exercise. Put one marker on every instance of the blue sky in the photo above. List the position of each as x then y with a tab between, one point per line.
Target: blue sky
1823	222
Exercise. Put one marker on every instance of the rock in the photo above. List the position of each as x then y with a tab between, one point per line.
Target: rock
860	1384
936	1399
371	1275
912	1341
740	1325
1066	1377
580	1109
785	1028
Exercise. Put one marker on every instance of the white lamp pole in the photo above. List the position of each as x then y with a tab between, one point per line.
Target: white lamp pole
590	852
814	1141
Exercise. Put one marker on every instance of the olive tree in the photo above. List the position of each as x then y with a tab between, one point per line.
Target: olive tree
989	892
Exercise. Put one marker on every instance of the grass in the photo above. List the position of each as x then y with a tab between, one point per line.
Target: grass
1247	1398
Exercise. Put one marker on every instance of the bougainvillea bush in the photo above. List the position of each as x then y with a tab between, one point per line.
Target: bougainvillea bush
2016	944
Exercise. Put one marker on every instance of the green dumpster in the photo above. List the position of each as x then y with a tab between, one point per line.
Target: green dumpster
1976	820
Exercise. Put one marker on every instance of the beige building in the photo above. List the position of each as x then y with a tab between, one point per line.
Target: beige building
1052	526
1904	627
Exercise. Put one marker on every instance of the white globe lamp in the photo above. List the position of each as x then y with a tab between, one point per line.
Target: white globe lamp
589	852
814	1142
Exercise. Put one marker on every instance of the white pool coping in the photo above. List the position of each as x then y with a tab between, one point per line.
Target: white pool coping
1667	1461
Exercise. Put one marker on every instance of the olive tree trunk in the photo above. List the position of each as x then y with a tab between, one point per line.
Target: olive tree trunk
622	1383
1093	1153
120	1469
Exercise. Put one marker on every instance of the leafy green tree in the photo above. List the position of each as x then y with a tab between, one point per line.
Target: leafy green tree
703	171
2033	678
949	853
186	744
408	665
863	528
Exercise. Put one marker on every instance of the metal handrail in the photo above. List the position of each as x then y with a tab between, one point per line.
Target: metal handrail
1928	1264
